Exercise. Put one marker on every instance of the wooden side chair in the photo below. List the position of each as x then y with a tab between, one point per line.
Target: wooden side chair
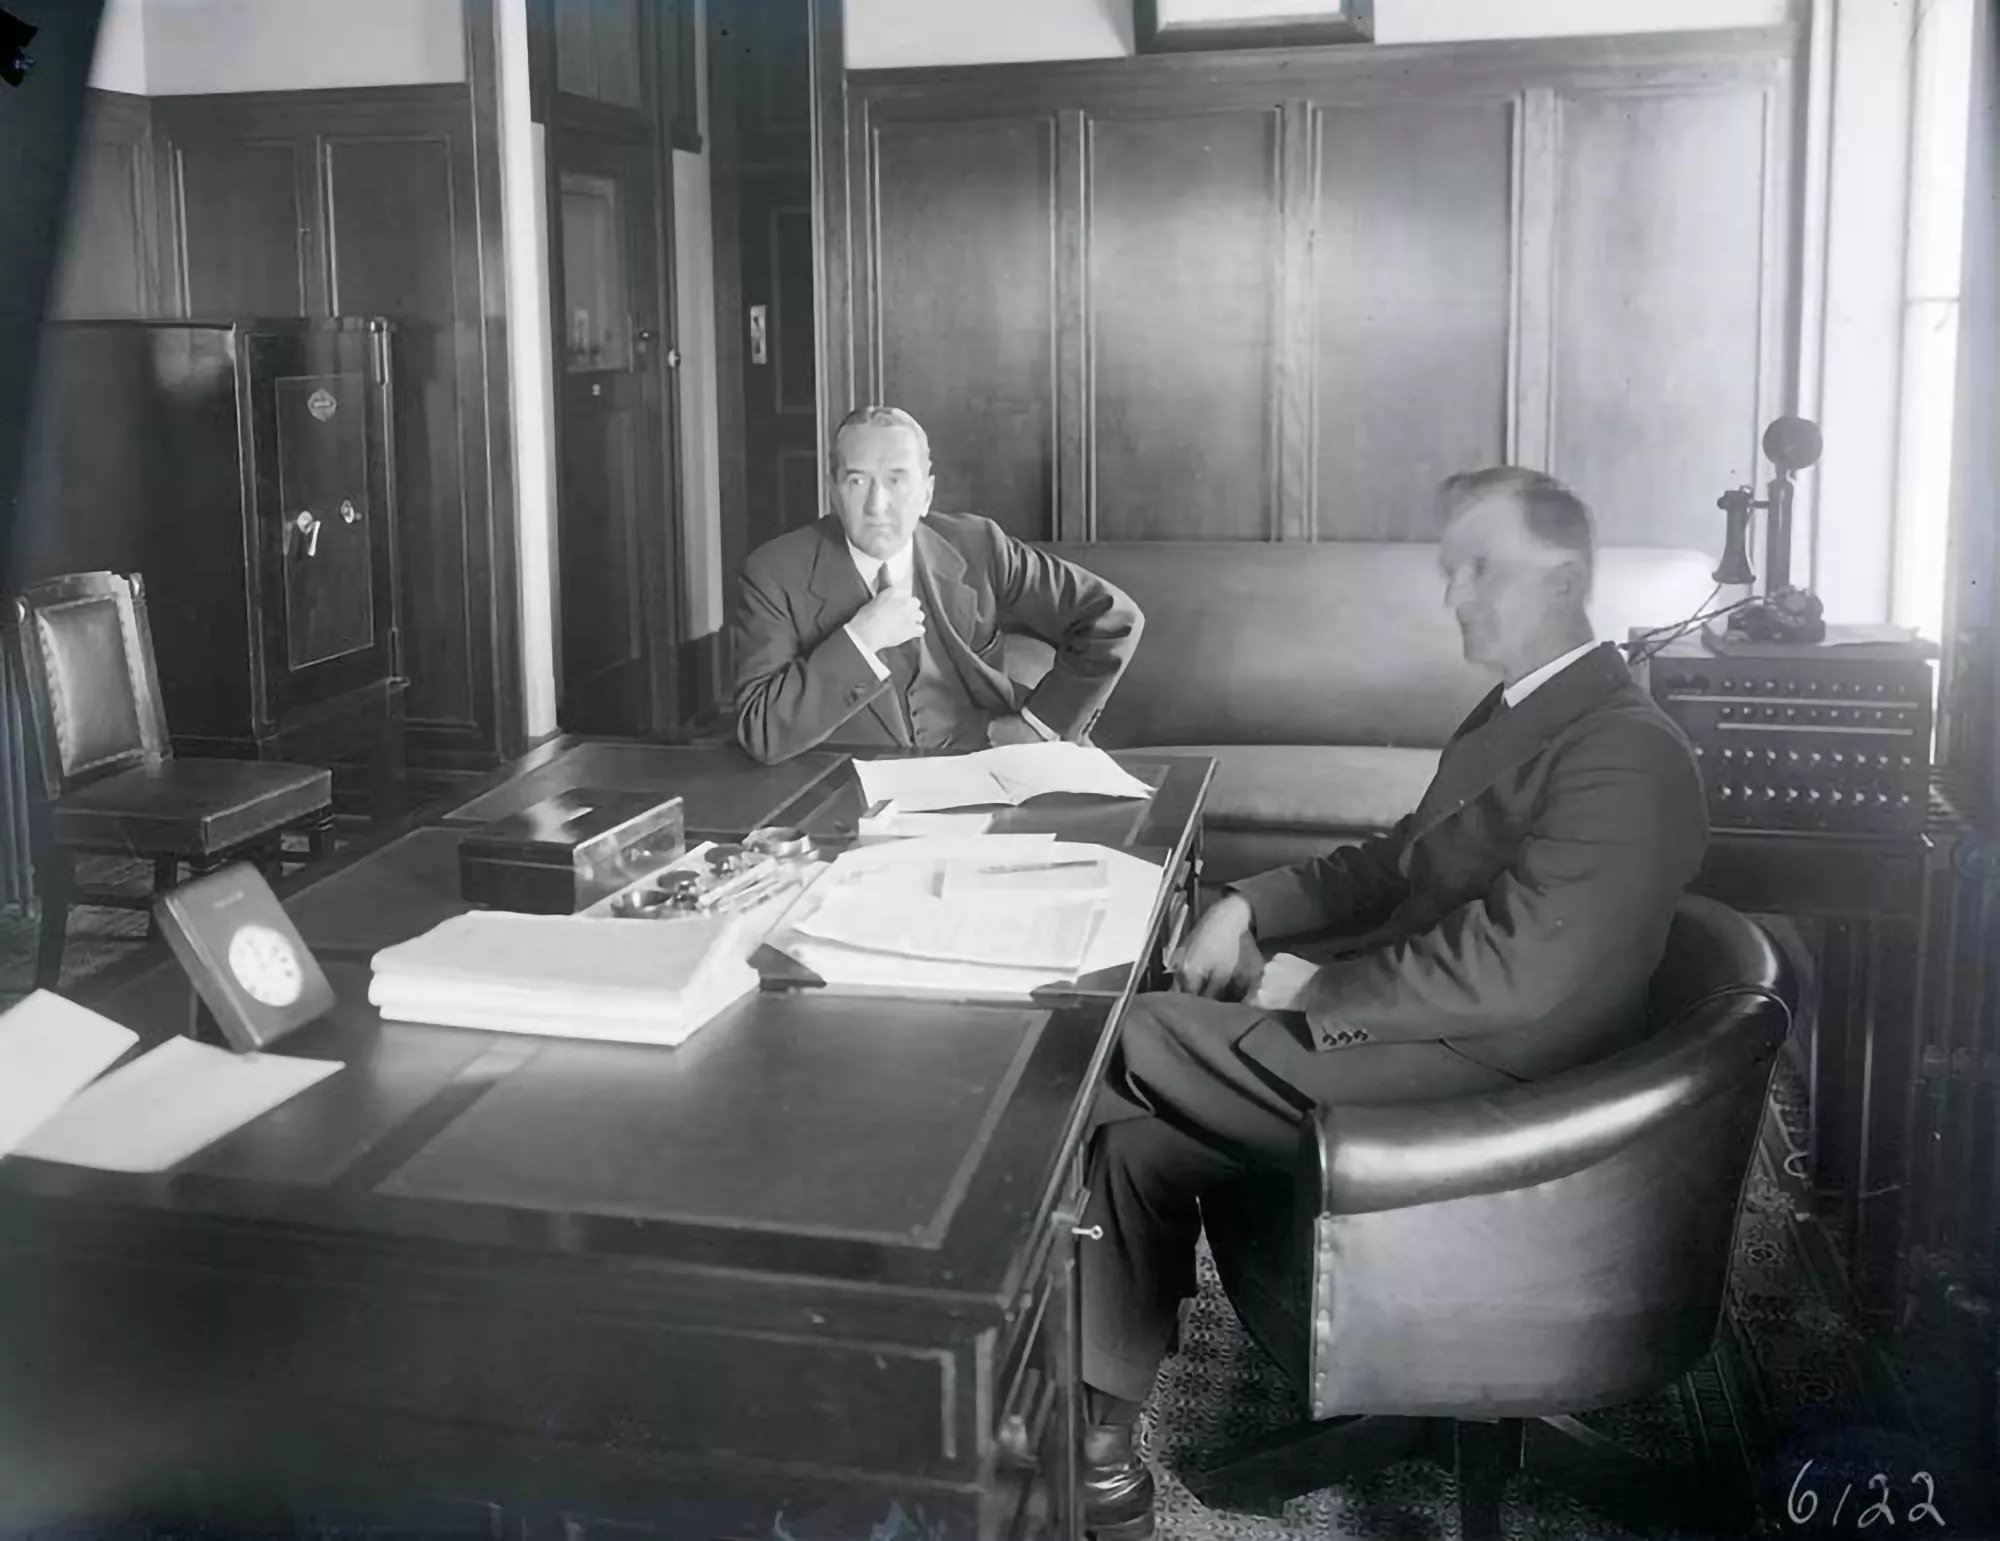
103	777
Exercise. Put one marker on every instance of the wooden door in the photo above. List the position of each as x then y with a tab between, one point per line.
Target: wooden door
761	110
614	516
780	402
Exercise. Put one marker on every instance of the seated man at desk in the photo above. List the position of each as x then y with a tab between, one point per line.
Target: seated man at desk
882	627
1504	931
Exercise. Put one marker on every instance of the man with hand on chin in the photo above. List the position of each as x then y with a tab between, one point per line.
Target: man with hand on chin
883	626
1504	931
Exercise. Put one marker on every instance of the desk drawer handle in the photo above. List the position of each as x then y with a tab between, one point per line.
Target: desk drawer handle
1093	1232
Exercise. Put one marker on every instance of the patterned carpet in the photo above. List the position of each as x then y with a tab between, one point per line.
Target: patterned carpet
1809	1386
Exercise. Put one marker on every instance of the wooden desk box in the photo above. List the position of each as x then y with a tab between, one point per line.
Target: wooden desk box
566	852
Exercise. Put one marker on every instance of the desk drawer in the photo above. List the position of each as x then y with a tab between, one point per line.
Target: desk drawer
1037	1354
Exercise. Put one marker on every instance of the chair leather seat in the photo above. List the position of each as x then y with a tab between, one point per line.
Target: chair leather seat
190	807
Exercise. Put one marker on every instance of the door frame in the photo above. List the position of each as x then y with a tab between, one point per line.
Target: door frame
649	130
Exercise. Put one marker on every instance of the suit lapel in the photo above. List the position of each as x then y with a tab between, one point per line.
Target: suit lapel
1493	742
838	592
940	576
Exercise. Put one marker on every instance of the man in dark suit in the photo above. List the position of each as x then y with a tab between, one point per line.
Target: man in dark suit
882	627
1502	932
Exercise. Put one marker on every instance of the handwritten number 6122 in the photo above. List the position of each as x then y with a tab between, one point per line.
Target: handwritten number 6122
1802	1503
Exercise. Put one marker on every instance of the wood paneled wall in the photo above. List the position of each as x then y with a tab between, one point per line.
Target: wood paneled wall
110	257
319	203
1278	296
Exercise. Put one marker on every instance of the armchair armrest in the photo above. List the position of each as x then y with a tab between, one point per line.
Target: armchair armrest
1399	1155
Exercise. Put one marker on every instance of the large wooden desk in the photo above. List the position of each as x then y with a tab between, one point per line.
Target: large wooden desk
812	1267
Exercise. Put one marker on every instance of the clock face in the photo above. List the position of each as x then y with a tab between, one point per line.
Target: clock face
265	965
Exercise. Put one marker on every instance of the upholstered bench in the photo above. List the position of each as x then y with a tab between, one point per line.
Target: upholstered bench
1324	679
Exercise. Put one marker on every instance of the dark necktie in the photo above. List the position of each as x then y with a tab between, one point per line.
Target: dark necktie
901	660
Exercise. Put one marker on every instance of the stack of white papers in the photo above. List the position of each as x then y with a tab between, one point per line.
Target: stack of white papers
147	1116
566	976
1000	931
899	919
1004	776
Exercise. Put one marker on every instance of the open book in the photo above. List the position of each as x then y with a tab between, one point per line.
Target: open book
1006	776
148	1115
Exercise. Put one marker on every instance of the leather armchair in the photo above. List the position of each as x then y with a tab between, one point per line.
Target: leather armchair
1461	1278
104	777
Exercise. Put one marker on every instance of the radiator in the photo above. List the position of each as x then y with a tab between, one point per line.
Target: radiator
1955	1159
17	868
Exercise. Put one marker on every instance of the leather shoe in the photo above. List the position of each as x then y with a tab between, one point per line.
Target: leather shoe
1117	1485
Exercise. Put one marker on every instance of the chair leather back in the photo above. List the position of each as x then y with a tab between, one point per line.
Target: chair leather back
1547	1249
84	651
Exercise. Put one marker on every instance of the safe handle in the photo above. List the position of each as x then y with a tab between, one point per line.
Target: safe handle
307	524
759	336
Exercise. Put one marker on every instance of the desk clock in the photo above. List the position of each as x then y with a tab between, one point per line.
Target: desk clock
245	957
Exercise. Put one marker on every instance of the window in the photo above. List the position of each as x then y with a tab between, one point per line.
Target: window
1941	107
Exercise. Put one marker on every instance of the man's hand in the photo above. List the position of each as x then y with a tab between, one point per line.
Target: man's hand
1011	730
890	619
1220	959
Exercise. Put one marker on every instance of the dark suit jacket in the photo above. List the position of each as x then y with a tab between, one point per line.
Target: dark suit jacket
801	682
1518	914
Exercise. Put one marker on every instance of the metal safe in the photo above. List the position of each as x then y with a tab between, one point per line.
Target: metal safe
245	470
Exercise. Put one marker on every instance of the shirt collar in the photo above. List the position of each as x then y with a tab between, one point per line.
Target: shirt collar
900	566
1526	686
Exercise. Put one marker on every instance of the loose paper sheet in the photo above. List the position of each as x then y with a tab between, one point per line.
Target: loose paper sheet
892	823
50	1049
1005	776
1118	940
1003	931
167	1104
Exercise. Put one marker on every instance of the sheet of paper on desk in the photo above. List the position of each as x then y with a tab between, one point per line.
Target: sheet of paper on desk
1120	937
169	1103
892	823
50	1049
1009	931
1030	770
1005	776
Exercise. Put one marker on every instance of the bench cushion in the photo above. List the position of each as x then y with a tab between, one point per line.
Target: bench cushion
1361	788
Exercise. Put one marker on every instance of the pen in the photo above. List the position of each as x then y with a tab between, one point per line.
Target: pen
1040	866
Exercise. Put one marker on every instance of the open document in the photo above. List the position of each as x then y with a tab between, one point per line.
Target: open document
975	918
1006	776
1003	931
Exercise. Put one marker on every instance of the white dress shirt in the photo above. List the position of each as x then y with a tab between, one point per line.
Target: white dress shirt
902	575
1527	684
